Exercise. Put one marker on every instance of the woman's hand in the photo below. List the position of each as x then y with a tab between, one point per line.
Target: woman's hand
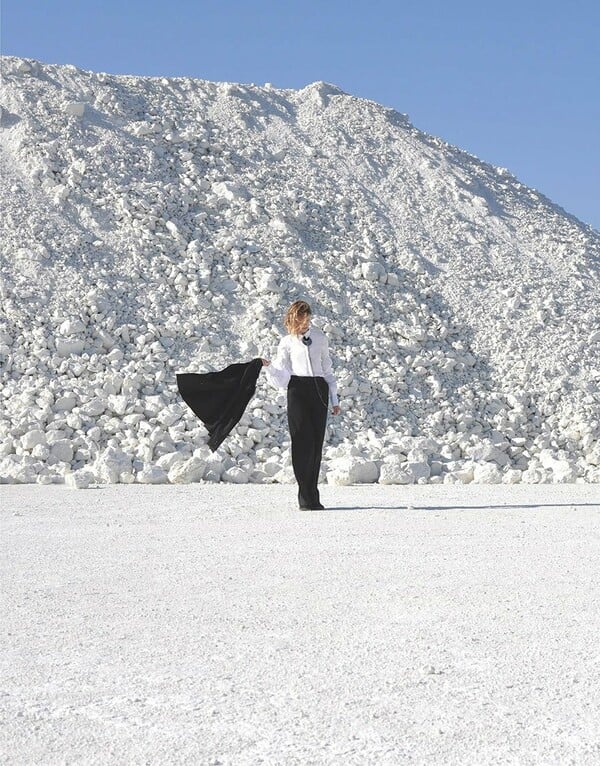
265	362
336	409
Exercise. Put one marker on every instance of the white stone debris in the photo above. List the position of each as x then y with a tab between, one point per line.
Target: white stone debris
75	108
170	235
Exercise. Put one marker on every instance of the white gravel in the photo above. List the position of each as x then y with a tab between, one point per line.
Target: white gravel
215	624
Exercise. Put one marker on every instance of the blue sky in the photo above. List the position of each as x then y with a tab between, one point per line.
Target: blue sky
515	83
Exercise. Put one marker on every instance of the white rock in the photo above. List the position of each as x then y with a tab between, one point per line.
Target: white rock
271	467
66	347
372	271
229	191
281	225
487	473
54	435
594	337
284	476
512	476
214	468
462	475
47	478
118	404
534	475
562	471
14	469
111	465
152	474
94	407
403	473
72	327
236	475
40	451
258	477
187	471
62	450
31	438
352	470
392	473
170	415
65	403
75	108
80	479
23	67
168	460
592	475
488	452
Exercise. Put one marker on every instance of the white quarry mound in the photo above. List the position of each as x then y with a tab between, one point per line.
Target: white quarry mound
153	226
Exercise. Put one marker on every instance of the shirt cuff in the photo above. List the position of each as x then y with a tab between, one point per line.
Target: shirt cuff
277	377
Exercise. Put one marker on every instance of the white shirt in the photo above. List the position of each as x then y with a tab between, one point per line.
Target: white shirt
296	358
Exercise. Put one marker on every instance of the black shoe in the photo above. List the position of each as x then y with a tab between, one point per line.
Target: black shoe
318	507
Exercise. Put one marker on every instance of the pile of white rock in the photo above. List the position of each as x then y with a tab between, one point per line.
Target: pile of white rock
160	226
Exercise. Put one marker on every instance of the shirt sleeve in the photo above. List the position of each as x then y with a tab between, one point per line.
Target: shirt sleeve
279	371
328	372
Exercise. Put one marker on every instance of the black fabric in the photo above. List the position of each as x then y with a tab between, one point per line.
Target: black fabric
307	418
220	398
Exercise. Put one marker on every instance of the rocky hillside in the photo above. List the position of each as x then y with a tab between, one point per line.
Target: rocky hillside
152	226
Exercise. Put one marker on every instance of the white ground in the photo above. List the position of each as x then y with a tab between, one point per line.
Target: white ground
215	624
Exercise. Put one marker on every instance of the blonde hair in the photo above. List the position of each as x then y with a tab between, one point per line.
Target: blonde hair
295	315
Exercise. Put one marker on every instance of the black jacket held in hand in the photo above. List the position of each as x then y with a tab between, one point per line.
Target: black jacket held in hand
220	398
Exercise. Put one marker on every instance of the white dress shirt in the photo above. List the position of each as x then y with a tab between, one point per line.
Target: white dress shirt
296	358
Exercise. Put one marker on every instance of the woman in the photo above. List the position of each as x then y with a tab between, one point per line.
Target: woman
303	366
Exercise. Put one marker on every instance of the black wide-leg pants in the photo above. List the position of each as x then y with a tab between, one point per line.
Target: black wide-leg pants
307	399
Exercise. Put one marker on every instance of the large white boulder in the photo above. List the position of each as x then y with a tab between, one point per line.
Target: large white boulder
485	453
113	466
462	474
487	473
408	472
535	473
187	471
96	406
236	475
170	415
512	476
62	450
66	346
19	469
65	403
563	471
168	460
152	474
118	404
80	479
32	438
352	470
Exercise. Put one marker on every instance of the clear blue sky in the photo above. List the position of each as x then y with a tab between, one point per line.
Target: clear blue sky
515	83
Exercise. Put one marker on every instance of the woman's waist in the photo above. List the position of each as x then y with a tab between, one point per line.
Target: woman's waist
301	376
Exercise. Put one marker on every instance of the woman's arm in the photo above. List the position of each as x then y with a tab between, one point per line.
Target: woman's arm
280	371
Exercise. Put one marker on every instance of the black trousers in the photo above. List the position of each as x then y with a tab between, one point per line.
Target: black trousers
307	399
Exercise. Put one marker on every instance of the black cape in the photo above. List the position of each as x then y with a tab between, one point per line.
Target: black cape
220	398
